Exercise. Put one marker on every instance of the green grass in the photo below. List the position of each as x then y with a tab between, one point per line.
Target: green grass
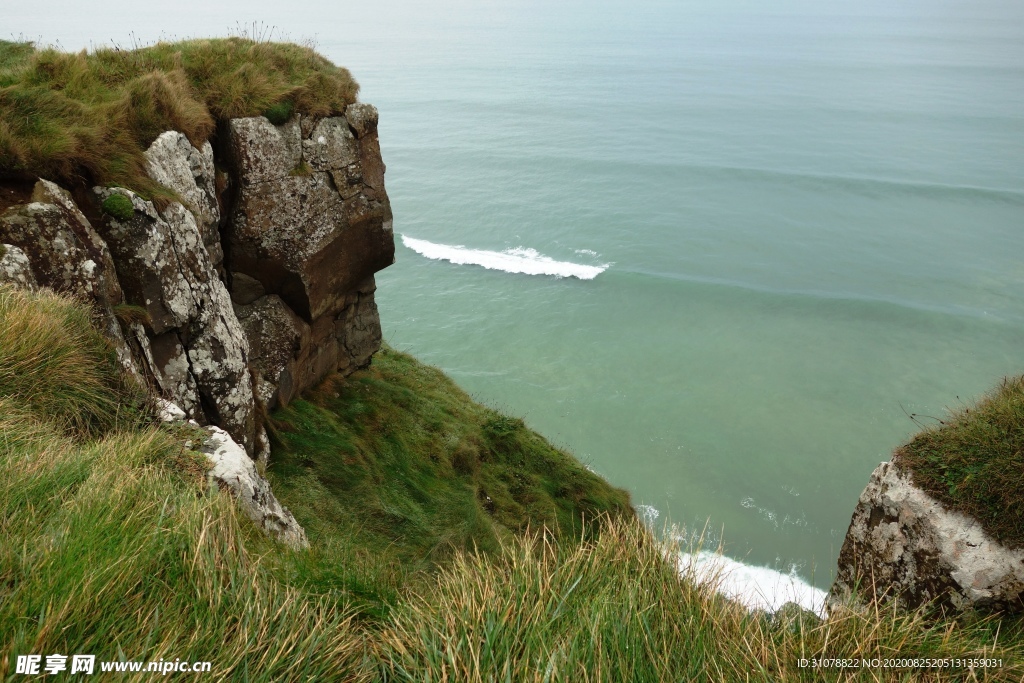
56	366
111	542
113	545
86	118
402	459
973	461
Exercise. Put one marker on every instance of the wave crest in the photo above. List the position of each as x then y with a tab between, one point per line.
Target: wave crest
518	260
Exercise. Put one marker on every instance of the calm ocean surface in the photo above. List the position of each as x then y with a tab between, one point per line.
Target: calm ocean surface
810	219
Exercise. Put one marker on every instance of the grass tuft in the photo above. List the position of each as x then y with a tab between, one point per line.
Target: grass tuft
54	362
279	113
974	461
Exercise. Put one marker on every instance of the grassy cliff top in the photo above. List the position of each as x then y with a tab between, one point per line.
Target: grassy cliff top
973	461
86	117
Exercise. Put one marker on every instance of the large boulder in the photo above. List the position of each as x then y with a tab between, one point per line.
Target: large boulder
310	225
904	545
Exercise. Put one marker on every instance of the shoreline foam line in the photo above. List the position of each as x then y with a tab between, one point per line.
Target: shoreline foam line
518	260
754	587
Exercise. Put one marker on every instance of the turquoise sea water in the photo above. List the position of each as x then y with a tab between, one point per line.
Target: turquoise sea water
812	217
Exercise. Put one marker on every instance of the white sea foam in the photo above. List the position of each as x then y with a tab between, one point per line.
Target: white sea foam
648	513
755	587
518	260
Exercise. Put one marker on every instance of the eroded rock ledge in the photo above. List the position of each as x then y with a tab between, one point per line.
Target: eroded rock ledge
904	545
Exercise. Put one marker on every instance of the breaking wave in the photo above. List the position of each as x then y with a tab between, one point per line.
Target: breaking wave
754	587
518	260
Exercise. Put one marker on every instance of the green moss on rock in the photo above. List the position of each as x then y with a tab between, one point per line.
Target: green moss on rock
118	206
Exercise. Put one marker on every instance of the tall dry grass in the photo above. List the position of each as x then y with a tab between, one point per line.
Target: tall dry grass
615	610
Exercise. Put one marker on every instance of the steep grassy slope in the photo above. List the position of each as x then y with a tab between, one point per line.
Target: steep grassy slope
403	460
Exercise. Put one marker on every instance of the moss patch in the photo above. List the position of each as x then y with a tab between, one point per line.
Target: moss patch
118	206
974	462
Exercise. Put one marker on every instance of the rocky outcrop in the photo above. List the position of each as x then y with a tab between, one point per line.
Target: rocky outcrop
903	545
234	291
310	225
237	290
199	350
233	470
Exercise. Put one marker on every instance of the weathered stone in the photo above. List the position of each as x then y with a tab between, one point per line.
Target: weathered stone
177	165
67	255
15	268
308	237
234	470
331	146
276	338
358	328
259	151
163	266
231	468
904	545
362	117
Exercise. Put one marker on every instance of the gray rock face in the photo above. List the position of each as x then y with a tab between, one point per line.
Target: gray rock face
904	545
177	165
199	349
15	268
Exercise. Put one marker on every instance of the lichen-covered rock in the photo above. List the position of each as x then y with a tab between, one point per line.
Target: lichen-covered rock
903	544
310	225
177	165
200	350
15	268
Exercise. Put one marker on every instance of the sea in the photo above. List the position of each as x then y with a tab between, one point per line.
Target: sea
729	253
